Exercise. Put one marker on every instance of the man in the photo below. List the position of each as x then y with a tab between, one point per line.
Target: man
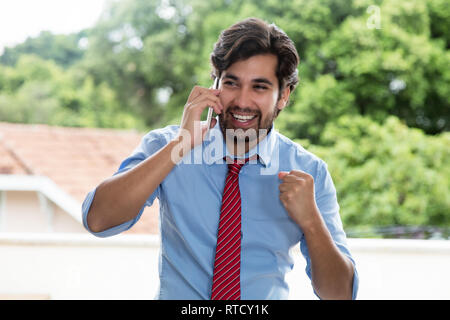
227	225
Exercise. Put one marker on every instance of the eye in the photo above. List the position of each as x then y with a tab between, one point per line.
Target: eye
229	83
260	87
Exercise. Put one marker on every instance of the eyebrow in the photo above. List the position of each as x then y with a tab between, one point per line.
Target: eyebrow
257	80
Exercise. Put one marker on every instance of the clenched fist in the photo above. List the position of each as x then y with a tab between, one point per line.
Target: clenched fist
297	197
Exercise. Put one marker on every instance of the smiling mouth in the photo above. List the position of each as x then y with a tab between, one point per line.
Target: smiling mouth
243	118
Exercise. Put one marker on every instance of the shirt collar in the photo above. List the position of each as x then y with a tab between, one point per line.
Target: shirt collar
214	140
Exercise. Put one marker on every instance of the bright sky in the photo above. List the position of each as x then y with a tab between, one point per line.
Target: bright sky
20	19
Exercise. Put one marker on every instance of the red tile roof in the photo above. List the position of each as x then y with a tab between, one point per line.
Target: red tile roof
76	159
9	163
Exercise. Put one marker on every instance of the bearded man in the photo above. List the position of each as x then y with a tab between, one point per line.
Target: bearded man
229	221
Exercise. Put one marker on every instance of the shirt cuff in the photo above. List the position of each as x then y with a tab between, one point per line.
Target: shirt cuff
355	283
108	232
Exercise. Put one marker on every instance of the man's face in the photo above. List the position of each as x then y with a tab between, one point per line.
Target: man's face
249	94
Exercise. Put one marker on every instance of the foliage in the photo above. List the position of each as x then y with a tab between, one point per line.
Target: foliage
65	50
387	174
39	91
399	69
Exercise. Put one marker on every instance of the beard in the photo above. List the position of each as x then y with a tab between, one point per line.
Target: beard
253	134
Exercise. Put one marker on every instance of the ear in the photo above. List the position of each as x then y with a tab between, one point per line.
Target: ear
282	102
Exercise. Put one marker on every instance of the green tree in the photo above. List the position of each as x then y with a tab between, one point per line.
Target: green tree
399	69
317	103
64	50
387	174
34	102
40	91
126	51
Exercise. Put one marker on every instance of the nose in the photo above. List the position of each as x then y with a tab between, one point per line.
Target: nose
243	98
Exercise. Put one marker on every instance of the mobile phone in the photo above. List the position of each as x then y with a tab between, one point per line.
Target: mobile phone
210	110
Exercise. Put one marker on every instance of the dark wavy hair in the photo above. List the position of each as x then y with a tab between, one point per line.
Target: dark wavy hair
254	36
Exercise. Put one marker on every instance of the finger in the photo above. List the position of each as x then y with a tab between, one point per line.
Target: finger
204	126
286	197
283	187
198	107
197	91
207	96
215	104
290	178
204	95
204	129
213	123
300	173
215	91
282	174
216	107
291	184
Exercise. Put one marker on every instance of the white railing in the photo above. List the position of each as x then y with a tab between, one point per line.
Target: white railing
80	266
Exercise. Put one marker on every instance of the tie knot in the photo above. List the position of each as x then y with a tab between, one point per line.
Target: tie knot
237	165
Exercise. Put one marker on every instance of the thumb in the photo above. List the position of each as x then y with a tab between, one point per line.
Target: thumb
282	174
213	123
205	129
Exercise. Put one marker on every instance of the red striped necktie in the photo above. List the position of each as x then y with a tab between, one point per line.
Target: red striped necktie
227	264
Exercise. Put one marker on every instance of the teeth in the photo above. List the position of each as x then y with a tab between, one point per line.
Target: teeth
242	118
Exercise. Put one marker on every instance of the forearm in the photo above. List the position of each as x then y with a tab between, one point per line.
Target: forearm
331	271
119	198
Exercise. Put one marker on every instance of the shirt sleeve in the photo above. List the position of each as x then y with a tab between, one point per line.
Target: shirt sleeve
150	144
326	199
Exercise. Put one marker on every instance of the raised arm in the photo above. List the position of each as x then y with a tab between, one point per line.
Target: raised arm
119	198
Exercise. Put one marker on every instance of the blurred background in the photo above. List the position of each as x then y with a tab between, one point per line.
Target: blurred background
82	81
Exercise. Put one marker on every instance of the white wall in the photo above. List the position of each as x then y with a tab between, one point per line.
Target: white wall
31	211
392	269
77	266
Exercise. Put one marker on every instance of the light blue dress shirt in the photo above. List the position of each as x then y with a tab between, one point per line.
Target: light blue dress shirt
190	199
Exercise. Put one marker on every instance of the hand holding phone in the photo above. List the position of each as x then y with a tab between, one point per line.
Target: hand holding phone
192	129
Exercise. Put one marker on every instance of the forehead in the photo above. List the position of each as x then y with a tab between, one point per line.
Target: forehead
258	66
